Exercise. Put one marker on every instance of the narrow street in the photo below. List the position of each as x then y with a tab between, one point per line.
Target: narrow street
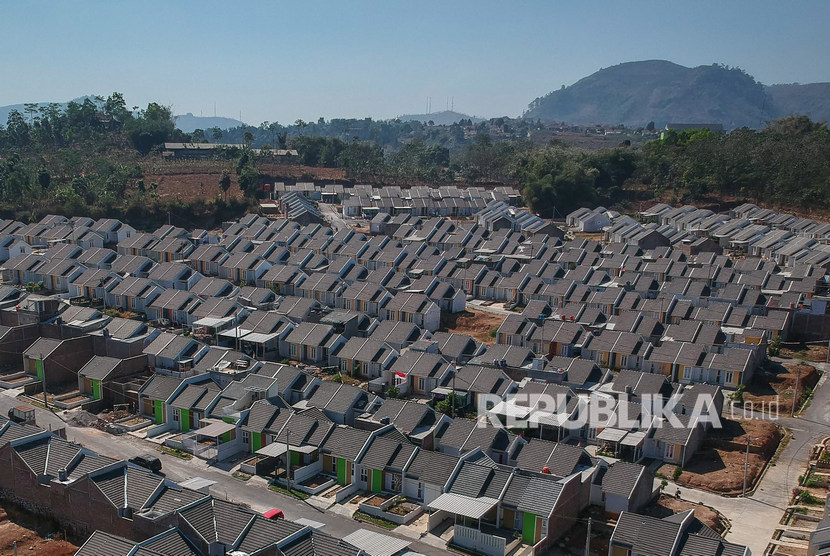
254	492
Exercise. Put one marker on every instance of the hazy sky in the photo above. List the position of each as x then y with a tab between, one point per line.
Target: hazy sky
279	61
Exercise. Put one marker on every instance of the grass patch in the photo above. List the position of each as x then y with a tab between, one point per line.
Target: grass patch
293	493
241	476
366	518
175	452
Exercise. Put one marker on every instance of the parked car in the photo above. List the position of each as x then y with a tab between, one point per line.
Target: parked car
274	514
147	461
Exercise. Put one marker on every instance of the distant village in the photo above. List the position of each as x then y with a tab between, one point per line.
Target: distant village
317	346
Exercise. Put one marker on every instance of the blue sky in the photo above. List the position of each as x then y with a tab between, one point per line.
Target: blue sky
279	61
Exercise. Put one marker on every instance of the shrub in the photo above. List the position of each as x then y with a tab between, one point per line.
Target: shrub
393	392
677	472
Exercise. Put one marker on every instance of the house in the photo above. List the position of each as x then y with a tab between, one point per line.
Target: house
675	442
419	422
207	259
174	276
426	476
133	266
312	343
133	294
99	376
94	284
112	230
465	435
675	535
57	362
56	275
339	402
381	464
418	372
478	385
173	306
174	353
243	268
416	308
626	487
262	332
341	450
365	357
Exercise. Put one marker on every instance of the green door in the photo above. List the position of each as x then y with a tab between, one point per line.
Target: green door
184	419
39	368
256	441
341	471
377	480
96	389
227	436
295	458
529	529
158	406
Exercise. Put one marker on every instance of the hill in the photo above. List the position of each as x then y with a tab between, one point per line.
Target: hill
445	117
635	93
188	122
812	99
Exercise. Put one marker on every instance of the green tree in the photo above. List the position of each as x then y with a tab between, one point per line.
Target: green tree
225	183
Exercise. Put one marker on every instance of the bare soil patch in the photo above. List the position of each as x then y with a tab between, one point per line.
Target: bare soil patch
33	536
814	352
778	382
375	501
478	324
667	505
719	465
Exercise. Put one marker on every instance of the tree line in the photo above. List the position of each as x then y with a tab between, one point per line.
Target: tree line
86	158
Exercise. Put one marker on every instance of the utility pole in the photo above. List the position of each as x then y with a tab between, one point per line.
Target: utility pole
746	467
288	459
452	396
43	381
795	394
588	539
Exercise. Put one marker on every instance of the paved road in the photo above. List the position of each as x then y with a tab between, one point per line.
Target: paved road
254	492
332	216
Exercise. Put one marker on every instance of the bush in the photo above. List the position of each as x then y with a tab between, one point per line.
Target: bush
677	472
337	378
393	392
774	348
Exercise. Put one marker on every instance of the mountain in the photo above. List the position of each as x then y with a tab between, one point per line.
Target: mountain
635	93
812	99
446	117
188	122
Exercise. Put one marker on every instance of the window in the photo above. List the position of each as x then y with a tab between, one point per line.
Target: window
518	520
420	495
623	360
728	377
364	475
422	384
669	451
176	415
312	353
292	350
246	436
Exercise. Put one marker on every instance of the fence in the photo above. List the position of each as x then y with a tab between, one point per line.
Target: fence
473	539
